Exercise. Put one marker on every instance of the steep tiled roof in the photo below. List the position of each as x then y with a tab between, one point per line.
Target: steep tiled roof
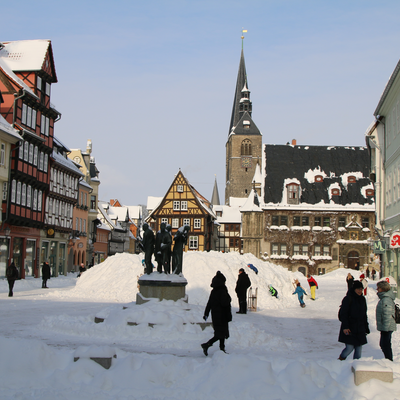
301	164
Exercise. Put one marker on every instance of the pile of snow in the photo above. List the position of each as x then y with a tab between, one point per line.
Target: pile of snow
116	279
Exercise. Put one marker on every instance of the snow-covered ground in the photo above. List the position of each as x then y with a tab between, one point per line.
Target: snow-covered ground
279	352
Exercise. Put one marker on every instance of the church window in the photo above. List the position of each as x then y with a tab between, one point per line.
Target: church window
246	148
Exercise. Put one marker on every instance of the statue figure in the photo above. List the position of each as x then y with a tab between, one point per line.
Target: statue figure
147	245
166	249
180	240
157	247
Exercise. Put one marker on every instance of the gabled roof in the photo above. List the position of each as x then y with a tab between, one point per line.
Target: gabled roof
28	55
285	164
201	201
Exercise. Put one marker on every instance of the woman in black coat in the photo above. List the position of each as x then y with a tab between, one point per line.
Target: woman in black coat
219	303
354	327
45	274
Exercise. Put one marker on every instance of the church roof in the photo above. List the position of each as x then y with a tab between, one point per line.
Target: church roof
245	126
215	195
240	84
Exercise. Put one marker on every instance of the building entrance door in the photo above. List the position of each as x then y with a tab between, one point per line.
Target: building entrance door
353	258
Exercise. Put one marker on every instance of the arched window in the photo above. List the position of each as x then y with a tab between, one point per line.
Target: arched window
246	148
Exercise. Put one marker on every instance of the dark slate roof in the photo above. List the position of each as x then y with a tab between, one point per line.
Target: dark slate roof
293	162
240	83
240	127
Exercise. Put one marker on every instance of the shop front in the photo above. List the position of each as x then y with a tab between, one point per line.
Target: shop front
54	250
19	245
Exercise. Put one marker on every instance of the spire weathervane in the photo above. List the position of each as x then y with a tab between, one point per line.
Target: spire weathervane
243	31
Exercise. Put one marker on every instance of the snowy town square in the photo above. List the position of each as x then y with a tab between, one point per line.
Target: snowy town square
280	351
200	200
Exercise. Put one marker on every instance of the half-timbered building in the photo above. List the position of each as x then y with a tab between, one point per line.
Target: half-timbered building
184	205
27	72
60	202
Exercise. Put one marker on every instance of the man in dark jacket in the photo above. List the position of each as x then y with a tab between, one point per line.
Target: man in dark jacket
45	274
219	303
12	275
354	327
242	284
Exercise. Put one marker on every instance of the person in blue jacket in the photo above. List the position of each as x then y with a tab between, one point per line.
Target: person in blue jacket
300	292
385	321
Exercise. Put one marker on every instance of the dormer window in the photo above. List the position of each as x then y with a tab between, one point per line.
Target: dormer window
335	192
179	188
319	178
370	192
351	179
293	193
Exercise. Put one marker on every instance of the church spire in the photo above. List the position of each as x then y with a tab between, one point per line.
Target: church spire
215	195
241	101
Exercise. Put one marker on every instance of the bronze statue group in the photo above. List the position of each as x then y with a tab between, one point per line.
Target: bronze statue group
160	245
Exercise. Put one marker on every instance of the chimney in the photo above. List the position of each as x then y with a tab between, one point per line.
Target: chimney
293	142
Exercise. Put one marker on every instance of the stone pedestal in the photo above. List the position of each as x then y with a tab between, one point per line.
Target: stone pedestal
162	287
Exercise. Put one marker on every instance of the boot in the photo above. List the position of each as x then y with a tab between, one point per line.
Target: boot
341	358
205	347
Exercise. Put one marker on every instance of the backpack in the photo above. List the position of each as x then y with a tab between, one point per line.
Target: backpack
397	313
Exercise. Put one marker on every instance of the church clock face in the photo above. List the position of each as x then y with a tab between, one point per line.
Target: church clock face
77	159
246	162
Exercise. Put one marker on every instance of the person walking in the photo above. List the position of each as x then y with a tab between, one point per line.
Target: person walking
219	303
12	276
45	274
242	284
385	322
354	322
313	285
300	293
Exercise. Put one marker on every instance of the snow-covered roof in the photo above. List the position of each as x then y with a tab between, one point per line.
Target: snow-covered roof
135	212
7	128
153	202
253	203
83	183
25	55
230	214
66	162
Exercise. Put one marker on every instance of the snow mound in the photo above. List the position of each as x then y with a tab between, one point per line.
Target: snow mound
116	278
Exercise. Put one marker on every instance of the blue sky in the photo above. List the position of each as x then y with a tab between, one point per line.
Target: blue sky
152	83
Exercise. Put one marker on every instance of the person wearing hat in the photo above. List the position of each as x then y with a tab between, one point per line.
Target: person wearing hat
354	326
242	284
385	322
219	303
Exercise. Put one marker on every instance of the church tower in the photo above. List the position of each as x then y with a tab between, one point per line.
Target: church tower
244	145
